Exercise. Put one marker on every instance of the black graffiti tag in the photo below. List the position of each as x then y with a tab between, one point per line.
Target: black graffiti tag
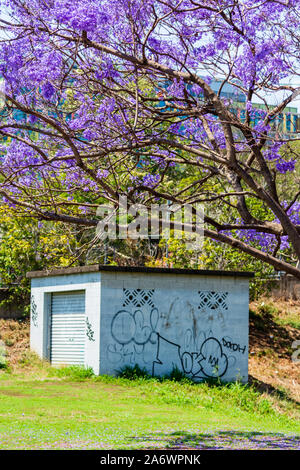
235	347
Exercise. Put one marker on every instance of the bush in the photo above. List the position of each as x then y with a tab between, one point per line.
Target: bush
9	342
136	372
30	358
176	375
267	309
3	360
132	373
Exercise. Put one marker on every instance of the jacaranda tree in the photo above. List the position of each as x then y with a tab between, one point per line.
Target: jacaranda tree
112	97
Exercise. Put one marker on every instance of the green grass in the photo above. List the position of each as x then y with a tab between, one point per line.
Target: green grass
71	408
292	320
289	318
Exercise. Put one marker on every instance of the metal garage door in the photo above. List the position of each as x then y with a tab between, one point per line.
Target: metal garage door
67	327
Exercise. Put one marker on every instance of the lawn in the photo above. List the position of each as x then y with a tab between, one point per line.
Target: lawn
59	409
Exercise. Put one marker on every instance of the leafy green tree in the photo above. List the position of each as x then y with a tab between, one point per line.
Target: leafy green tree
26	245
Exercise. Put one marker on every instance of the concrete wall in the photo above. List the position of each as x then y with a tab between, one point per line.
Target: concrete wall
41	288
198	324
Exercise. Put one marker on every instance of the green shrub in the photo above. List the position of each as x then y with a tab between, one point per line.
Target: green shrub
176	375
133	372
3	363
30	358
267	309
136	372
3	360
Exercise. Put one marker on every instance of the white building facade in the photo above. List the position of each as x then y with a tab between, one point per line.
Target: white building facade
109	317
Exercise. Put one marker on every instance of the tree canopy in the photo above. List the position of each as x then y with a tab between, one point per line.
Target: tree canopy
113	97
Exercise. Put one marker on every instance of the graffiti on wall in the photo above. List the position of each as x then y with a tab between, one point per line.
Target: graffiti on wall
188	336
89	330
34	312
134	329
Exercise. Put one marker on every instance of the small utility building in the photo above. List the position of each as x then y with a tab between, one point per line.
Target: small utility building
108	317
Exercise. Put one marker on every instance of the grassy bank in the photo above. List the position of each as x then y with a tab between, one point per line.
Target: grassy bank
45	408
64	409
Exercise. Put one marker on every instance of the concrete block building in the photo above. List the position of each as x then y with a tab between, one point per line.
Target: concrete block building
108	317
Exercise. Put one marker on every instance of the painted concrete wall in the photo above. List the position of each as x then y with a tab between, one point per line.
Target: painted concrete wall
41	288
198	324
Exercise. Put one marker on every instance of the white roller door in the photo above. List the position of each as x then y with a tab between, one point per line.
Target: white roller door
67	328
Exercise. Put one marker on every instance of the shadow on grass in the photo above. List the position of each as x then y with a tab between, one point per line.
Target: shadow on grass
263	387
219	440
